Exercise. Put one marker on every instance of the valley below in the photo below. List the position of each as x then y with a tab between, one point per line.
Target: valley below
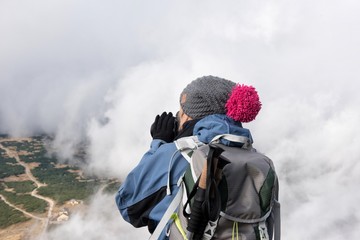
37	194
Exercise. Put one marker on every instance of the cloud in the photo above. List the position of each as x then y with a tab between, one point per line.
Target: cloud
102	71
100	221
314	149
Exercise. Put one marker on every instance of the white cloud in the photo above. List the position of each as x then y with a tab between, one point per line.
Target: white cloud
100	221
104	70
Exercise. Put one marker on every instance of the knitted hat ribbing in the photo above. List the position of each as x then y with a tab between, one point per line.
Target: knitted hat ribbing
205	96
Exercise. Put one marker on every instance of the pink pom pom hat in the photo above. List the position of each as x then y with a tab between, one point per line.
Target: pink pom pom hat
243	104
213	95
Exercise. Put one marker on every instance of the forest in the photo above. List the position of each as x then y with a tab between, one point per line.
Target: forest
62	182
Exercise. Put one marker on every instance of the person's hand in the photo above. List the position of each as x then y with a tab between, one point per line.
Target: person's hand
163	127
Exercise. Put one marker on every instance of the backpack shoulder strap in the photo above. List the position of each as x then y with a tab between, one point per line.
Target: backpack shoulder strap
186	146
277	221
277	214
168	213
234	138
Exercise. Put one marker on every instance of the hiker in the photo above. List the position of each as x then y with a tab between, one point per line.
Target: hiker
209	106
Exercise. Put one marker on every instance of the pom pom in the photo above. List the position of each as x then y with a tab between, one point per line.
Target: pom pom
243	104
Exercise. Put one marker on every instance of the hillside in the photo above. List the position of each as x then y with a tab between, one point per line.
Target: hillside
36	191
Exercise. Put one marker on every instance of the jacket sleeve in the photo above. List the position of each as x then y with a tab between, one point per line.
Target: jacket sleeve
142	198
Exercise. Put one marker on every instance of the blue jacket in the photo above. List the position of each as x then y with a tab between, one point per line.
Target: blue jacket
142	198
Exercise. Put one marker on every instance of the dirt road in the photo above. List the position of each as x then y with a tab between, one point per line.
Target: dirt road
50	202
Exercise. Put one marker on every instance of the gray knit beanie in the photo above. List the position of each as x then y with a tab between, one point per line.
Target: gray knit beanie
205	96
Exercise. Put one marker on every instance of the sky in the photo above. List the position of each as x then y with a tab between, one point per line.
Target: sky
99	72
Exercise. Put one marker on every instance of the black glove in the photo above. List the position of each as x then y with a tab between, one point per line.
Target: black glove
163	127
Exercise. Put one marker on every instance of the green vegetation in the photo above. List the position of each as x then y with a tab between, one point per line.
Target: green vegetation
66	191
112	187
62	184
37	155
25	201
7	170
5	158
20	146
21	187
35	150
10	216
9	167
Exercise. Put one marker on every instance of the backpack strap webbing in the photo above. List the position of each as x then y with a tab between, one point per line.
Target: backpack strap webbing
186	146
277	221
168	213
234	138
277	213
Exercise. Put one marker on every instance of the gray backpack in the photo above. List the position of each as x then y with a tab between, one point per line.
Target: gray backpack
240	200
